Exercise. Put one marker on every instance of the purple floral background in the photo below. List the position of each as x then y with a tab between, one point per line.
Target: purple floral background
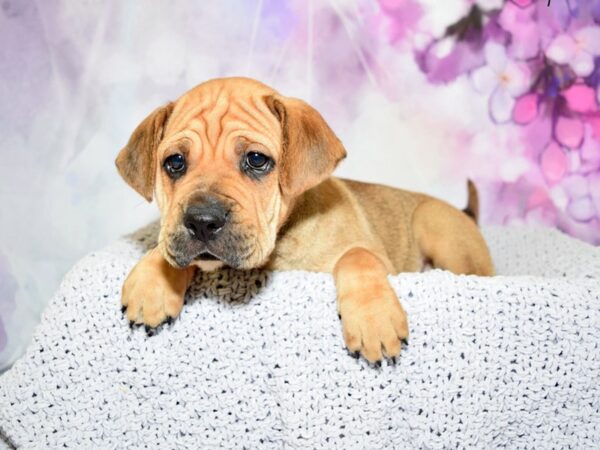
424	94
539	68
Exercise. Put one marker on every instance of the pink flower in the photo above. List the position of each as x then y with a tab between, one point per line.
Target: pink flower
569	131
504	80
569	127
589	153
594	123
580	98
525	30
576	50
526	109
539	66
554	163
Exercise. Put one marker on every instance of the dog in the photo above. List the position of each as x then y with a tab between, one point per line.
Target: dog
242	178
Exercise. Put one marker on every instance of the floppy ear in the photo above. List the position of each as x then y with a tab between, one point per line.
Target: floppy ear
311	150
136	162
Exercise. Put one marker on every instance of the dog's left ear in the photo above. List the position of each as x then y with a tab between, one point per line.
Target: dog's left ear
311	150
136	162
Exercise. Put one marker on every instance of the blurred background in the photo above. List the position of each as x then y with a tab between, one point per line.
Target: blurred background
423	93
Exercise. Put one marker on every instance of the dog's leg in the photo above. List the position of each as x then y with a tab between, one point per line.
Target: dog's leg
450	239
372	316
154	290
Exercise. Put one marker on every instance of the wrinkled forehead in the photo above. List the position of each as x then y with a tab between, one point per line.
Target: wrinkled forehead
214	113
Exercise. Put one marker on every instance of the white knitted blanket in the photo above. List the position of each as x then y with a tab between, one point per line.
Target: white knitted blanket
257	360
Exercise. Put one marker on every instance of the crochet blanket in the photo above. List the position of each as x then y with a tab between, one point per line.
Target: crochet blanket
257	360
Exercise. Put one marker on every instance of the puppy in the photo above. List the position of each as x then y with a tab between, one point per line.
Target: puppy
242	179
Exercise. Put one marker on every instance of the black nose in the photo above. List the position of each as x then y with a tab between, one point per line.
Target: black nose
204	222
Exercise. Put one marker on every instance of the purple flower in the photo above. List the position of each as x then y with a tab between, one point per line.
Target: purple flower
460	50
589	154
503	80
521	23
577	49
554	163
540	68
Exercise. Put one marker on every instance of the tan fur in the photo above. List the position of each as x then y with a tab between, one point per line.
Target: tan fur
295	217
137	162
472	209
154	290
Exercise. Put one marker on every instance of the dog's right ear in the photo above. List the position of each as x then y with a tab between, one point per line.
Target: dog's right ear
136	162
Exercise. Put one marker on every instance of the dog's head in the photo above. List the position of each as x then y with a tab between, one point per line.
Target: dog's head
225	163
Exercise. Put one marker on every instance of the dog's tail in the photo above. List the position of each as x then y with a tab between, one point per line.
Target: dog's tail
472	209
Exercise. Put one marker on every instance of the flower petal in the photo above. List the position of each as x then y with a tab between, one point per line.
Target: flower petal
501	105
509	16
594	122
525	42
580	98
460	60
576	186
537	135
582	63
553	163
516	78
569	132
484	80
590	153
581	209
495	56
526	109
562	49
524	29
588	39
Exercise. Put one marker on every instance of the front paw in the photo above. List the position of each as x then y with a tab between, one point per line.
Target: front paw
154	291
373	323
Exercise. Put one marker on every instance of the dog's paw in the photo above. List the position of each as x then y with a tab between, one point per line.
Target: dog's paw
374	324
154	292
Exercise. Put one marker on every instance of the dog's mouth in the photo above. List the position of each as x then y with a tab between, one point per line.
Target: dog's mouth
183	251
206	256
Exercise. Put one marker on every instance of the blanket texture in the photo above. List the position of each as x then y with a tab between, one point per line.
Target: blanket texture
257	360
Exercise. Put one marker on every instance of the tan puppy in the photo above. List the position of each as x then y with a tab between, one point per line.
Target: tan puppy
241	175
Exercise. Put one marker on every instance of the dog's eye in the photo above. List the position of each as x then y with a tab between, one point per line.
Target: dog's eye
257	161
175	165
255	164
